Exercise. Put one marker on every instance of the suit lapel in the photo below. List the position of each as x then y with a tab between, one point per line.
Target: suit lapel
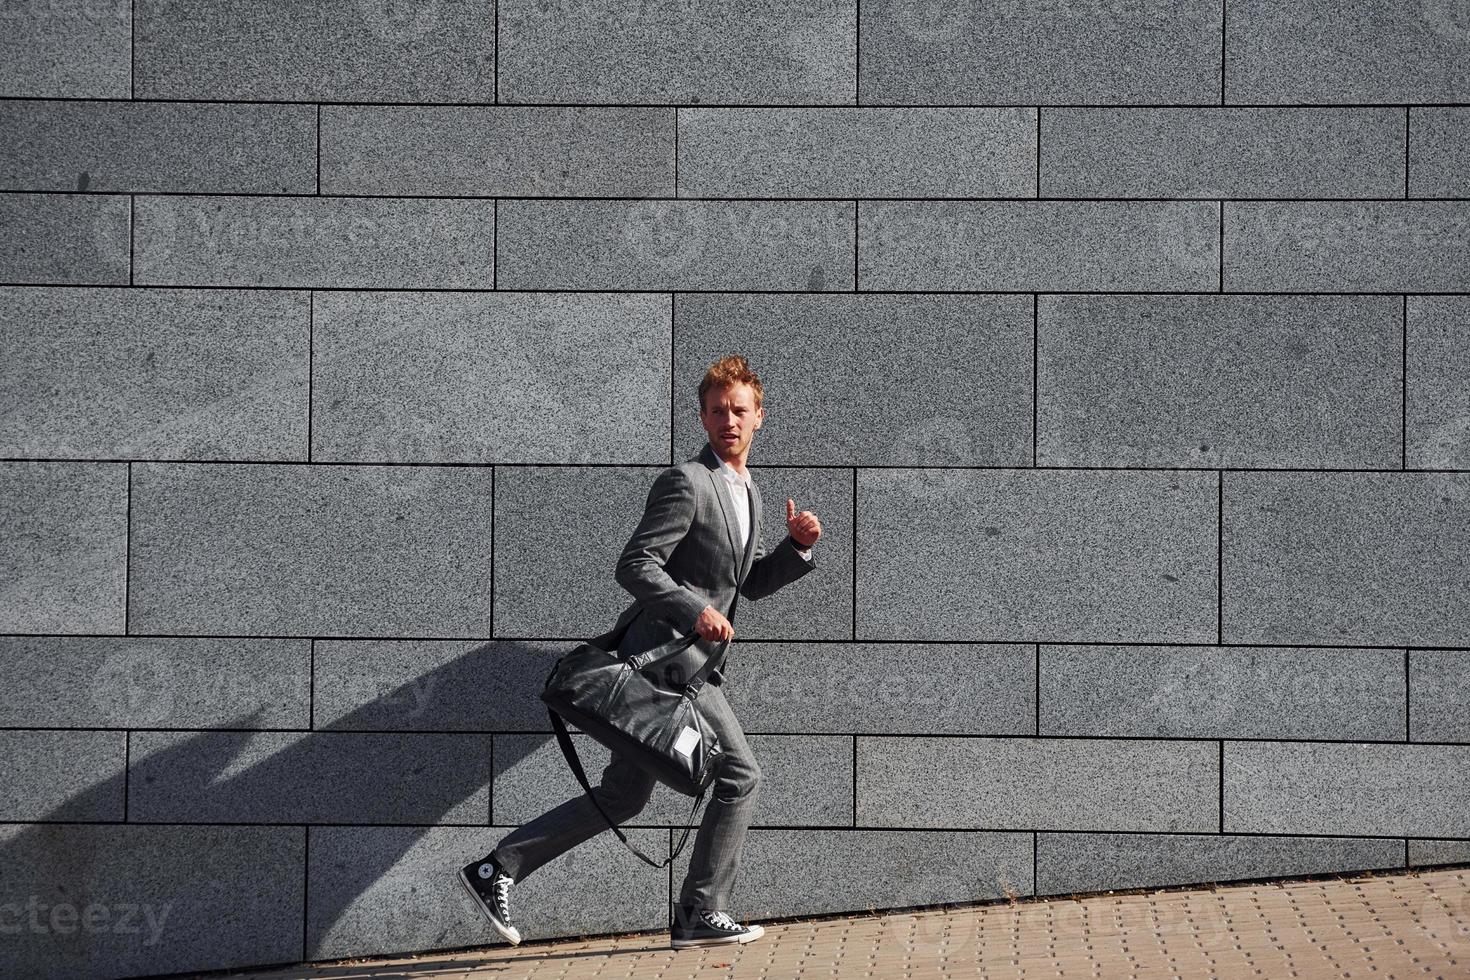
755	529
741	559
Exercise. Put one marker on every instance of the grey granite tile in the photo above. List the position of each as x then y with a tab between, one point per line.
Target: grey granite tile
154	682
886	688
819	872
1346	246
857	152
1021	246
510	151
1069	863
667	51
259	549
595	510
1439	695
78	49
433	685
453	377
168	147
63	556
945	380
1296	382
309	777
53	775
1423	852
1359	788
278	50
326	242
1038	783
806	779
1439	150
1222	692
1344	558
1222	152
1437	403
172	373
143	900
1027	555
64	238
663	244
1346	51
381	890
1015	52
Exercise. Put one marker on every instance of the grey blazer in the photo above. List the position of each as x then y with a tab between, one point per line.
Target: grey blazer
684	555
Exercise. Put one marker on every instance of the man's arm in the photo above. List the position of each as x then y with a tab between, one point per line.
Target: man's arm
667	517
769	572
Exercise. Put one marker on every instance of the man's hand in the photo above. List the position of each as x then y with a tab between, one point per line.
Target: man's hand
803	527
712	625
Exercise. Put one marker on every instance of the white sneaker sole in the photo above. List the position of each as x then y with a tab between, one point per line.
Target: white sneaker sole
755	933
511	934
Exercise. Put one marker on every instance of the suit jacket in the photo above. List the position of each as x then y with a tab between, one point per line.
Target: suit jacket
685	555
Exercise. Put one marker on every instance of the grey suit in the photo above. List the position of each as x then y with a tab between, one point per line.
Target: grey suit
682	557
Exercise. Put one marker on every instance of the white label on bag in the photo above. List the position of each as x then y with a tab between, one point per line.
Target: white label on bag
686	741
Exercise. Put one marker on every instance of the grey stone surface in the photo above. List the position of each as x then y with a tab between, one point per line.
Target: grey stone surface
118	900
540	593
167	147
57	775
857	152
432	685
1437	402
150	373
380	890
1020	246
1222	152
575	151
80	49
807	779
1037	783
1423	852
309	777
1439	695
325	242
1208	381
1359	788
1439	150
1222	692
279	50
63	553
455	377
1068	863
1346	51
668	244
665	51
883	688
154	682
64	238
817	872
259	549
1345	558
1026	555
904	379
1016	52
1347	246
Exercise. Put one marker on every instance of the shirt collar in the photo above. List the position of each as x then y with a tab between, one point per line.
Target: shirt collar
728	472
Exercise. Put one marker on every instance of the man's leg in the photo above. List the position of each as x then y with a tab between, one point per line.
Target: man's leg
624	791
720	841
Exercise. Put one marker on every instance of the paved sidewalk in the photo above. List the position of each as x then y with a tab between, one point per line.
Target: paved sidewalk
1380	925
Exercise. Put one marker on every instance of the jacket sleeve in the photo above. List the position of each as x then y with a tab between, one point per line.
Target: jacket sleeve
667	516
769	572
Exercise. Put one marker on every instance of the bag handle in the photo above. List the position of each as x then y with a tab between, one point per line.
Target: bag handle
570	751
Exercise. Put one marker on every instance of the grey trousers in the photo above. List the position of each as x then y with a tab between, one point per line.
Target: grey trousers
625	790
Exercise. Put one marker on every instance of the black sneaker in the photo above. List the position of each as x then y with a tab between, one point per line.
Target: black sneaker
708	928
490	888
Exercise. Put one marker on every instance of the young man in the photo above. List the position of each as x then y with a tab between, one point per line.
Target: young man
698	542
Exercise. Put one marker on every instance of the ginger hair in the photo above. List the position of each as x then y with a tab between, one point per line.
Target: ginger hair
731	369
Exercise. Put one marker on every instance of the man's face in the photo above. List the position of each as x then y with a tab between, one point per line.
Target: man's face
730	417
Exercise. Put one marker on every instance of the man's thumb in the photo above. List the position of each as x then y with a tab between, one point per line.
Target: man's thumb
790	508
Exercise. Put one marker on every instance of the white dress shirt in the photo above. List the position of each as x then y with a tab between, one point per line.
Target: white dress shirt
740	493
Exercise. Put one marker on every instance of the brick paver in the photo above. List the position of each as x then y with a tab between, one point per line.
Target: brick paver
1410	924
